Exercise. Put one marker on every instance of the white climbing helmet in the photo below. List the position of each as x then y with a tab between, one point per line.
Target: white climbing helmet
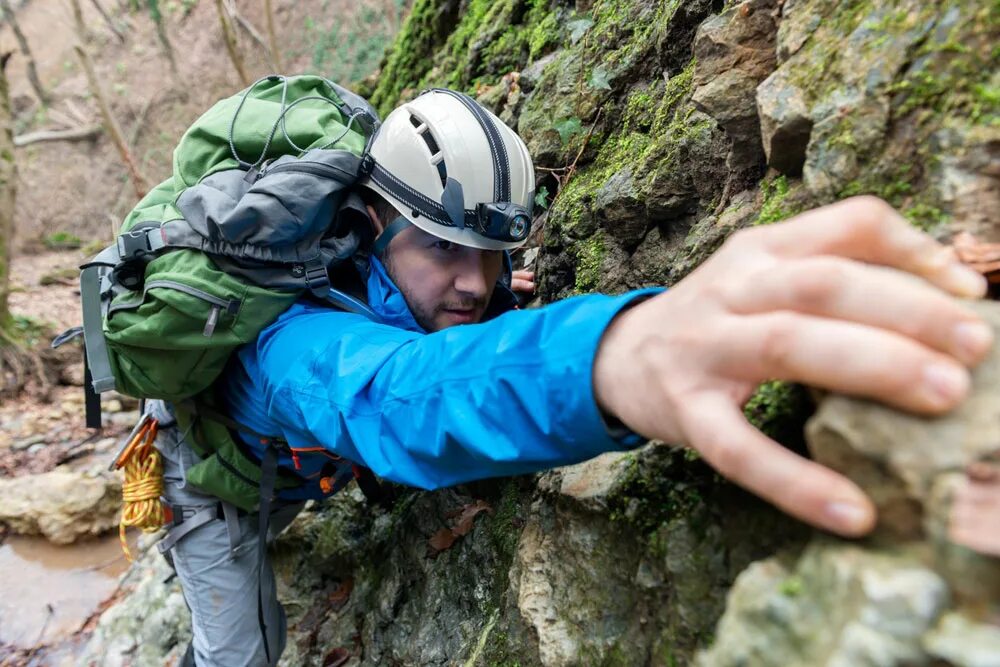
454	170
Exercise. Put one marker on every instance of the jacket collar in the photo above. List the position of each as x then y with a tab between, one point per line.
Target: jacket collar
387	301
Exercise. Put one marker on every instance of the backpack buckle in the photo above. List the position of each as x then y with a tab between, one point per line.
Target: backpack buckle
315	277
133	244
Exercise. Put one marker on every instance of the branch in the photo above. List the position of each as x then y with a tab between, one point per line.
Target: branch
75	134
246	25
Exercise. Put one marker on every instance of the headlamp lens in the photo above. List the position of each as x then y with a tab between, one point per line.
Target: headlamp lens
504	221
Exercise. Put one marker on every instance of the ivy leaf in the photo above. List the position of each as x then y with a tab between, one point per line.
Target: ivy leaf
567	128
542	197
599	78
578	28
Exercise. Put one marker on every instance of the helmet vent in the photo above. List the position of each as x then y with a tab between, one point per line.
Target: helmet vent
429	140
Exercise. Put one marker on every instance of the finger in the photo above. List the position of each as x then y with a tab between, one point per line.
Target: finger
974	515
842	289
977	496
868	229
805	489
525	286
843	357
522	274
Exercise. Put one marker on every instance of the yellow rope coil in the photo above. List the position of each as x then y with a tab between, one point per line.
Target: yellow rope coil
143	485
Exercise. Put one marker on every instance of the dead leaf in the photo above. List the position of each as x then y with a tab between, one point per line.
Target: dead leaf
340	596
468	515
441	540
336	657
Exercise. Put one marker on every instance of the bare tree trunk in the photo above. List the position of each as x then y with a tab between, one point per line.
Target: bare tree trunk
111	125
8	192
107	19
161	34
230	37
249	28
36	83
83	34
272	37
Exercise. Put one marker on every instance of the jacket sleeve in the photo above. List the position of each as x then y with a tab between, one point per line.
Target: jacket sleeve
510	396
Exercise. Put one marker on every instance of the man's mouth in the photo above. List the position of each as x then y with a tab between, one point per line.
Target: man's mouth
462	315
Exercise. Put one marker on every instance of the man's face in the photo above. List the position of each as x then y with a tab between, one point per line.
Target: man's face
444	283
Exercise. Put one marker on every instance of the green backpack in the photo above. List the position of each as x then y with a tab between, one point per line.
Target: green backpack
246	224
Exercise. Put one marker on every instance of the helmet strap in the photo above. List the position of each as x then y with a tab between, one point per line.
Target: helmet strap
388	234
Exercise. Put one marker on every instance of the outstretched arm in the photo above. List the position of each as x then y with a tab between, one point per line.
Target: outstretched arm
848	297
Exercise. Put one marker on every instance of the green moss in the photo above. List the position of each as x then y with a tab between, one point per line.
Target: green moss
652	492
953	75
410	57
505	524
589	260
791	587
62	240
773	209
925	216
543	36
773	404
27	330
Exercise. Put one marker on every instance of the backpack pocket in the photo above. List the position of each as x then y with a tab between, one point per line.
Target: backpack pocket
172	339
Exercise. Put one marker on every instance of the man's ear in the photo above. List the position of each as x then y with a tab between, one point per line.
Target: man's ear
376	223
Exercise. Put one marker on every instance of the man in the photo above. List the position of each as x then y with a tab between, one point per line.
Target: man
833	299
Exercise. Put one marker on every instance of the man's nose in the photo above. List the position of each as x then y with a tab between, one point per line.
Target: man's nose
471	278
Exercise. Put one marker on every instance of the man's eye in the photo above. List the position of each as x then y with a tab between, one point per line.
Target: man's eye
445	245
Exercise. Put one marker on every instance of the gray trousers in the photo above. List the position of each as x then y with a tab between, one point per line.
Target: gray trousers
220	572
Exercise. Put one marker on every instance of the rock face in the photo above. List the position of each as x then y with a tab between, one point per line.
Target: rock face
910	596
61	505
662	127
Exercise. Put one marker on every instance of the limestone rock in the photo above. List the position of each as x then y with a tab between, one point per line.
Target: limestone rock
150	626
839	605
734	52
963	642
895	456
969	179
785	125
61	505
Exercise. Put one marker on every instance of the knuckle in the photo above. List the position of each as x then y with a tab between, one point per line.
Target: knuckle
870	213
777	345
818	283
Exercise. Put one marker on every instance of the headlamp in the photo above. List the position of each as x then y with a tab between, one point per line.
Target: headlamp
503	221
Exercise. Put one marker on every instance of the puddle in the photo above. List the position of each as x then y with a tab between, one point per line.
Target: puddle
50	590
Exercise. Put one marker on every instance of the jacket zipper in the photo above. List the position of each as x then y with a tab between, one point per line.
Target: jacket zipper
314	168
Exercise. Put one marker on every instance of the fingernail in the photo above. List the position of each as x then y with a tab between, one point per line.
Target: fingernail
973	338
966	281
945	381
848	517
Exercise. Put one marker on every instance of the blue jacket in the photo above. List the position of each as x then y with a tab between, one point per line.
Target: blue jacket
509	396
